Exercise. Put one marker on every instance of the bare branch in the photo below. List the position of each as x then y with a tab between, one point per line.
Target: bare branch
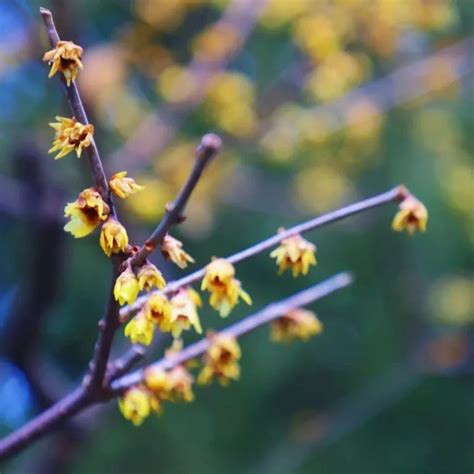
43	423
210	145
124	363
264	316
395	194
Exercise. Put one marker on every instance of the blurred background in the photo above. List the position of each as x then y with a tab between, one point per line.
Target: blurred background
319	103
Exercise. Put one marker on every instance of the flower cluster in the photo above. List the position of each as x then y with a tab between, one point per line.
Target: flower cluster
138	402
298	324
412	216
172	249
225	289
175	316
70	135
296	253
221	360
86	213
65	58
128	284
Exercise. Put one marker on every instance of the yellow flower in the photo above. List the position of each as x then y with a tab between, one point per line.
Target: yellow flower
158	310
69	135
140	329
171	249
298	324
149	276
137	403
85	213
296	253
126	287
220	360
412	216
66	58
224	288
113	237
184	312
174	385
123	186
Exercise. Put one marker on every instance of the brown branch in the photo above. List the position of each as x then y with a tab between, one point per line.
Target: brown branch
77	107
264	316
43	423
110	322
395	194
124	363
210	145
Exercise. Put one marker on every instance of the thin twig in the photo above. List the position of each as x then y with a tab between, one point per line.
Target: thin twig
264	316
124	363
395	194
209	146
77	107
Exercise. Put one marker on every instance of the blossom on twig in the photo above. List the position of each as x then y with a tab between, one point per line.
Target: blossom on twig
122	186
224	288
149	276
126	287
113	237
174	385
66	58
140	329
70	135
184	312
158	310
85	213
296	253
137	403
298	324
412	216
221	360
172	249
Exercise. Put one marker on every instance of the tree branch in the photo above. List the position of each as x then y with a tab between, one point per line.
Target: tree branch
209	146
77	107
43	423
110	322
395	194
264	316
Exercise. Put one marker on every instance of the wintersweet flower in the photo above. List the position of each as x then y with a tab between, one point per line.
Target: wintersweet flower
66	58
113	237
137	403
149	276
174	385
184	312
224	288
122	186
412	216
85	213
69	135
297	324
171	249
221	360
296	253
126	287
140	329
158	310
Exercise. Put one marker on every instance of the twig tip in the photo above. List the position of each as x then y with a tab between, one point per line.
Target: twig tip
211	142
